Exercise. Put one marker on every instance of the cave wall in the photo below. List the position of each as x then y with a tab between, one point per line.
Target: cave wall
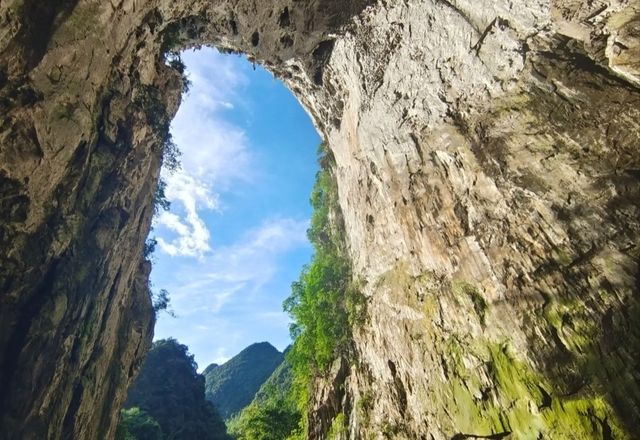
488	169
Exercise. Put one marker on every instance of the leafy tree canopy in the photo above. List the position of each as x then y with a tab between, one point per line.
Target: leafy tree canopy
136	424
272	415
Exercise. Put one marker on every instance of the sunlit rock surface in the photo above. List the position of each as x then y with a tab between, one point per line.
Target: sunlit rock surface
489	174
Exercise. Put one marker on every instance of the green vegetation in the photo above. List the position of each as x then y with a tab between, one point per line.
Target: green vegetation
160	302
149	247
174	60
479	303
172	40
170	392
233	385
338	428
136	424
160	201
272	420
149	100
520	402
278	384
325	303
272	415
389	430
364	405
593	362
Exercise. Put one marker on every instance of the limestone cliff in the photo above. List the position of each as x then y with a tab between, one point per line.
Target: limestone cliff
489	176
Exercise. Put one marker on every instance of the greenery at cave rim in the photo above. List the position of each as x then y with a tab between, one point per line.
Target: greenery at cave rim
325	304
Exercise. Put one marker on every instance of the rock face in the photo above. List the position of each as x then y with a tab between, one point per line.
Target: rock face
489	175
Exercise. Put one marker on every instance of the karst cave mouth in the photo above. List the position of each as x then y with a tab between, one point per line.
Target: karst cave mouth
233	238
74	284
487	170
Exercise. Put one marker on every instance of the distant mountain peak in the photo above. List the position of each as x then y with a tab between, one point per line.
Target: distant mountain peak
233	385
260	346
210	368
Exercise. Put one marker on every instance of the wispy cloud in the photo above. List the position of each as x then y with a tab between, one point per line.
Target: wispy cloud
221	356
215	152
244	267
230	283
191	232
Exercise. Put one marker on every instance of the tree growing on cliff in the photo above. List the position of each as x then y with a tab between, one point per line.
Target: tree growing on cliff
161	302
325	303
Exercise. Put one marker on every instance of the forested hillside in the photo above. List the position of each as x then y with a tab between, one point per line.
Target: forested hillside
232	386
272	415
167	400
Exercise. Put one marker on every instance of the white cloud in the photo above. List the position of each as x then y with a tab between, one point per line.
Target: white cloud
192	233
212	146
244	267
212	149
275	317
221	356
214	152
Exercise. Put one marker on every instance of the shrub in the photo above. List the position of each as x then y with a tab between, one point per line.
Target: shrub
160	201
135	424
325	303
174	60
338	428
149	99
149	247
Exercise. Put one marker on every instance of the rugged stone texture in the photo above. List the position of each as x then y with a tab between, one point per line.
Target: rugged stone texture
85	96
488	169
488	173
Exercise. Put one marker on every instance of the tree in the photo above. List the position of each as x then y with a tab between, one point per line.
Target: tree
161	302
325	303
136	424
266	421
272	415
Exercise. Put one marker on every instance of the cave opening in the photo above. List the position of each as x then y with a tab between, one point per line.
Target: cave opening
108	62
467	133
233	235
228	239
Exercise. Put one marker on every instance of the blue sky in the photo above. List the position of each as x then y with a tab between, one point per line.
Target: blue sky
235	236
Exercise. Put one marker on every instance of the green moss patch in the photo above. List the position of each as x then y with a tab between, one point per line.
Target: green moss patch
479	304
490	392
